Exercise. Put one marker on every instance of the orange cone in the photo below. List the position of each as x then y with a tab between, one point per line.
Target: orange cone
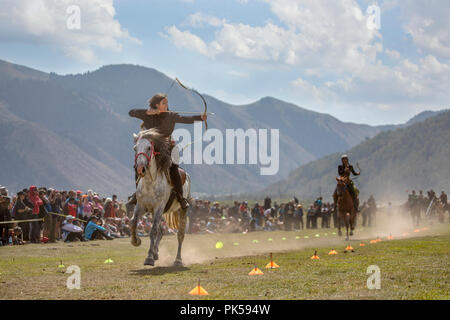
198	290
417	230
373	241
349	248
315	256
332	252
362	244
255	272
272	264
378	240
390	237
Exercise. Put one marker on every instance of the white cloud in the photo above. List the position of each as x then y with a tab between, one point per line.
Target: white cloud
429	26
238	74
392	54
188	40
198	20
45	22
318	34
329	42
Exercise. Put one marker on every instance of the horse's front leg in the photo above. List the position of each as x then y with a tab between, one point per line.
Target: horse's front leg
157	216
180	236
138	211
347	224
159	236
339	225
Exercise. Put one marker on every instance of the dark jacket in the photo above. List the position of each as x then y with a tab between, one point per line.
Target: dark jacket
341	171
163	122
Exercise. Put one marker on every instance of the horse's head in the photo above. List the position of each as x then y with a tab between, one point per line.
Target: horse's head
144	149
341	186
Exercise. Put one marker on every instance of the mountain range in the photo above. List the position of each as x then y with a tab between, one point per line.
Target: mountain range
73	131
392	163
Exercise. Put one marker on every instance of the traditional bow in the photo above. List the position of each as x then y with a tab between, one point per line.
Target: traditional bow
203	99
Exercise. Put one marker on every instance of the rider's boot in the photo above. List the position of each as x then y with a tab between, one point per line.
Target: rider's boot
178	189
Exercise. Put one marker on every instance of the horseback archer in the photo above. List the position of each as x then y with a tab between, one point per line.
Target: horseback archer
344	171
158	117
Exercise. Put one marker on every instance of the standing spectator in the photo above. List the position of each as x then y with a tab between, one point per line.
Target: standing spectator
70	208
289	215
115	205
298	217
22	212
256	215
324	213
98	205
267	203
5	215
37	205
86	207
310	217
56	203
373	209
109	209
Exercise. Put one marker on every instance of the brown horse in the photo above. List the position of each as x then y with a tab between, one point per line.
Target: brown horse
345	207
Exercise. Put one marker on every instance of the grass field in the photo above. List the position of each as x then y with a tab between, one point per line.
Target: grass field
413	266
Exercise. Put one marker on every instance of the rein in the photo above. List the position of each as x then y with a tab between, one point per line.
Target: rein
153	153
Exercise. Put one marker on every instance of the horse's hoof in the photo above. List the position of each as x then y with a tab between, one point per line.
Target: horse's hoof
346	239
178	263
137	242
340	233
149	262
155	256
351	233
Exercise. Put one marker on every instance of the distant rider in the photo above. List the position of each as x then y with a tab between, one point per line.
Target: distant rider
344	171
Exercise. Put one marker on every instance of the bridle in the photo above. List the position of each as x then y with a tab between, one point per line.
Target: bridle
341	184
153	153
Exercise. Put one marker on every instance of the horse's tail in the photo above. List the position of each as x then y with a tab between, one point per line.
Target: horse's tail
173	217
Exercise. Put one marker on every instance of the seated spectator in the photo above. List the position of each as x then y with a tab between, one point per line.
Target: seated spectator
70	231
269	225
211	225
111	228
17	236
94	231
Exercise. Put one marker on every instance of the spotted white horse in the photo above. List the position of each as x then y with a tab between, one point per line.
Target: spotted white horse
153	191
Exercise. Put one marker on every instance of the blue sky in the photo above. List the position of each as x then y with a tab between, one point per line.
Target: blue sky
318	54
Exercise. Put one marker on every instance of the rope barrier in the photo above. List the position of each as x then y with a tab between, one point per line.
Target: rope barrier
19	221
41	219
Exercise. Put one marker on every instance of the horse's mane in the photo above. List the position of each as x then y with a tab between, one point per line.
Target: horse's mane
161	145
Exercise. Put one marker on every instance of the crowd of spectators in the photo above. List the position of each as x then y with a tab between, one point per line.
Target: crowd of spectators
49	215
58	215
207	217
